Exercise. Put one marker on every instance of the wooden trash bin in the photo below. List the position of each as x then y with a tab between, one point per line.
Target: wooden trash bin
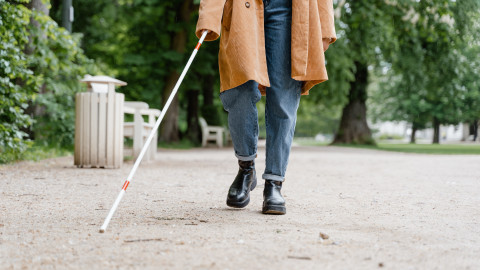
99	124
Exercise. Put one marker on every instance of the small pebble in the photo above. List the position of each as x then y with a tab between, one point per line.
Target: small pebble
324	236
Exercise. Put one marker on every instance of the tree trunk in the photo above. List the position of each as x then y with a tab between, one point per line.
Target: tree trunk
208	85
436	131
169	129
40	6
414	132
353	125
209	110
475	130
193	129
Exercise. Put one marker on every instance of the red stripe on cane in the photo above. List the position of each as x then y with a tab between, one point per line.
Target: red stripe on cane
125	185
198	46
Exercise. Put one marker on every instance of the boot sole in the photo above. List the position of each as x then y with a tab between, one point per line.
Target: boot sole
244	203
239	204
274	210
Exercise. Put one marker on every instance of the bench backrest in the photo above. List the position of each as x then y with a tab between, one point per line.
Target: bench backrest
203	123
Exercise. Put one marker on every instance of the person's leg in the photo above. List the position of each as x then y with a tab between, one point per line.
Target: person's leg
240	103
282	100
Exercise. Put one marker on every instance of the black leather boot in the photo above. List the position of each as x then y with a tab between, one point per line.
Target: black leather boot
246	180
273	202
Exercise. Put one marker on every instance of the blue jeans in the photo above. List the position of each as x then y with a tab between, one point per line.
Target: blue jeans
282	99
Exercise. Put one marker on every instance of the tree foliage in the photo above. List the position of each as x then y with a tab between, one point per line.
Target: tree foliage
429	77
146	44
59	63
40	65
363	29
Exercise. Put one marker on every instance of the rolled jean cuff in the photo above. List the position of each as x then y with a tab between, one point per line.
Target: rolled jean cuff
247	158
273	177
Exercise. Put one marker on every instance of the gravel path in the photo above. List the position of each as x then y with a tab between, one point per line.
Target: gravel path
377	209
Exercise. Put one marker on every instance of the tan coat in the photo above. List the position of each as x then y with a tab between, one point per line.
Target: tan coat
242	43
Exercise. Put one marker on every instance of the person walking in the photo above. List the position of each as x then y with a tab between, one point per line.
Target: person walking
273	48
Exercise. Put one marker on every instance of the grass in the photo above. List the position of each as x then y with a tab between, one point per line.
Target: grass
39	152
183	144
444	149
36	152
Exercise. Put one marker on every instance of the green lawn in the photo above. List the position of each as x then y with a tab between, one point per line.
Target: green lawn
449	149
36	152
183	144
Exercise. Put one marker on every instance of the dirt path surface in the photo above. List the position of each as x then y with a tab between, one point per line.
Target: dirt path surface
378	209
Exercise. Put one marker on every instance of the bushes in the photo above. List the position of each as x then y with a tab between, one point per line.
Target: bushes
38	79
17	81
60	63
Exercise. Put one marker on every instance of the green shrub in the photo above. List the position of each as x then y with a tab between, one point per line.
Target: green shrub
60	62
44	81
17	81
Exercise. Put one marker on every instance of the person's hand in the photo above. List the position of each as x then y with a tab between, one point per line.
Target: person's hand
326	43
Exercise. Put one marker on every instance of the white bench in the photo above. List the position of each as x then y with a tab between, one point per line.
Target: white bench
139	130
211	133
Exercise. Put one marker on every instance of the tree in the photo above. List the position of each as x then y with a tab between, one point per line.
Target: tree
147	44
364	27
426	79
58	62
170	129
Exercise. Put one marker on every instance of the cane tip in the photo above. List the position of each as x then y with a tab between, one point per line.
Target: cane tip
101	231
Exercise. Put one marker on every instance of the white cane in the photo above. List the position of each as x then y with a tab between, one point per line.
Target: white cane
150	137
